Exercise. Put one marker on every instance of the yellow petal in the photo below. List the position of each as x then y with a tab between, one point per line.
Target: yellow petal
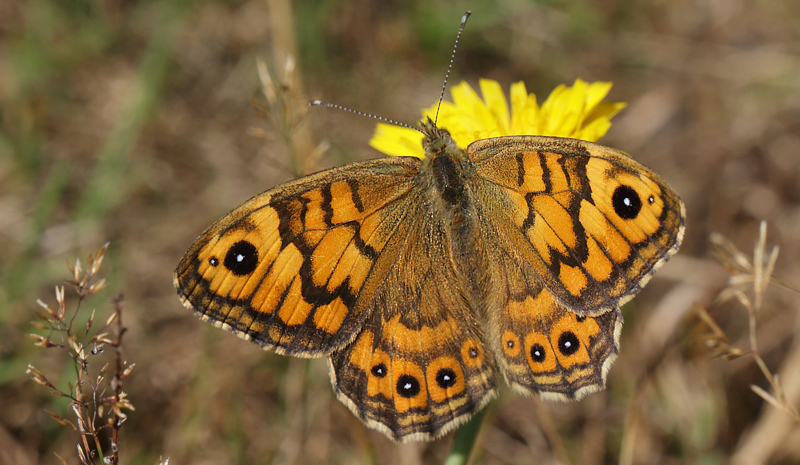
465	98
496	103
594	130
397	141
595	93
519	100
577	111
605	110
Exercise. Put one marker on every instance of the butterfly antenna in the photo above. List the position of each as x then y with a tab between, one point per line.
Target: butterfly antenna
321	103
450	66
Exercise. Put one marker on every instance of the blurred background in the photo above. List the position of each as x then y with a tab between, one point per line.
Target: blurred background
142	122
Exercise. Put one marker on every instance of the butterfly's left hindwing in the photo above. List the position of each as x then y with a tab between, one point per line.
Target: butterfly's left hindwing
419	367
293	268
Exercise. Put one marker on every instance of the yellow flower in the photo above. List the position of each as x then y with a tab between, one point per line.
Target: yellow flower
576	112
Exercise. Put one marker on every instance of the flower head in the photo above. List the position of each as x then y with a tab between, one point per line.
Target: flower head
577	111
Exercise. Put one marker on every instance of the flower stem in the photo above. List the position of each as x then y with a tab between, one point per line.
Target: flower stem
465	440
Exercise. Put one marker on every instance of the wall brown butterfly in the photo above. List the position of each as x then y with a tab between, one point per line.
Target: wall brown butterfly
422	280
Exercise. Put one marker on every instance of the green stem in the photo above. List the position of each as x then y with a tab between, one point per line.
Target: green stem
465	440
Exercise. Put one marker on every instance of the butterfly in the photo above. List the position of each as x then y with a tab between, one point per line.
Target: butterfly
423	281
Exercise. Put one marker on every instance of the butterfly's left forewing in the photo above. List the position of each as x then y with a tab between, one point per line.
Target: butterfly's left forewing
294	268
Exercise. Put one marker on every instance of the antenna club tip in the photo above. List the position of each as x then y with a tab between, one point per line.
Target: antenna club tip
315	103
464	18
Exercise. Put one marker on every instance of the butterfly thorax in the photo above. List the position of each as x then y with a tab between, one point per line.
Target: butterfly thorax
448	165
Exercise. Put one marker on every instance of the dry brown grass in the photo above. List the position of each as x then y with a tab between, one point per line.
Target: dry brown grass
98	403
131	122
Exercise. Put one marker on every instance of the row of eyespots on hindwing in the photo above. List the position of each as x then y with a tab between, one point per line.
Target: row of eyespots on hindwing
412	393
552	356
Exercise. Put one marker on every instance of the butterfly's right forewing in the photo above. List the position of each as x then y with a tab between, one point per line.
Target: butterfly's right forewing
573	230
592	223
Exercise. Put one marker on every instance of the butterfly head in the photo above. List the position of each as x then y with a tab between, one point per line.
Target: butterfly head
437	141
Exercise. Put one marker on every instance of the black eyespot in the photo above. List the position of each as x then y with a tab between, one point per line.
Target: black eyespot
407	386
473	352
626	202
446	378
537	353
213	261
568	343
651	199
379	370
580	318
242	258
510	344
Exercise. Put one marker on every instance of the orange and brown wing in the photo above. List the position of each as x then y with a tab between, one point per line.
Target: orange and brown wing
593	224
297	267
418	368
540	346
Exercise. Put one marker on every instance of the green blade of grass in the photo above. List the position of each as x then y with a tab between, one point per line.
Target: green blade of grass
111	178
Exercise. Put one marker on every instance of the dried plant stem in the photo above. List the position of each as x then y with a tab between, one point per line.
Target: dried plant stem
748	278
98	403
116	382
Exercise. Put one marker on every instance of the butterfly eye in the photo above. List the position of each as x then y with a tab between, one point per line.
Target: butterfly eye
568	343
242	258
537	353
626	202
407	386
446	378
